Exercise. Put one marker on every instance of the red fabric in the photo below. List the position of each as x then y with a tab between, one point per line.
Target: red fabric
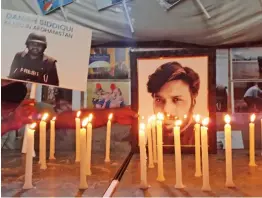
123	116
22	115
25	112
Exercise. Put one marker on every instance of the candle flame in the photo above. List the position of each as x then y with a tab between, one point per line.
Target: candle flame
168	115
149	119
33	125
160	116
84	122
142	117
178	122
185	116
90	117
227	119
54	118
78	114
45	116
197	118
110	116
142	126
205	121
153	117
252	117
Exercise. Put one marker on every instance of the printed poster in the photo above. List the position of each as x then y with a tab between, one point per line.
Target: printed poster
108	94
41	50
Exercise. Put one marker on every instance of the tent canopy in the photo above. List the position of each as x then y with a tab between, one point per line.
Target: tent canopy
231	22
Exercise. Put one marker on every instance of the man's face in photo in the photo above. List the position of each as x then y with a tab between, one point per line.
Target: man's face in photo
35	48
173	100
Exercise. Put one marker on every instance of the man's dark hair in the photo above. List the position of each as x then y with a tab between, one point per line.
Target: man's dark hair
173	71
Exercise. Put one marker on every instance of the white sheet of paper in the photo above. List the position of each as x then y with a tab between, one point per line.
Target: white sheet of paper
237	139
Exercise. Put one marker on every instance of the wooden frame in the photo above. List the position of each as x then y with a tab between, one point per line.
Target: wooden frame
179	53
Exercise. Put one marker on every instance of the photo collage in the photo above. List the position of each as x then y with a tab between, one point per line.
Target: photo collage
108	82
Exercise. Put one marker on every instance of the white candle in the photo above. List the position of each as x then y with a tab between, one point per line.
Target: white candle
108	138
77	121
83	183
29	157
160	168
142	146
228	150
178	158
198	171
205	160
89	144
52	139
153	125
252	161
149	143
42	147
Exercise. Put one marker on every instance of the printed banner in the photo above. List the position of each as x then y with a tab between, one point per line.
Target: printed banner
48	6
41	50
108	94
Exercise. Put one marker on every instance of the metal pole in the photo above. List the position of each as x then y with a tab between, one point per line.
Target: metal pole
203	9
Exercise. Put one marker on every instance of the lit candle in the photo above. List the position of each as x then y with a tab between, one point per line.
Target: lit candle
77	121
185	116
153	122
29	157
52	139
89	144
108	138
142	145
149	143
252	141
228	147
160	168
42	147
198	171
83	183
178	158
205	161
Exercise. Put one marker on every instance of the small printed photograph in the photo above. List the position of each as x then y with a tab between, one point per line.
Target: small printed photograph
248	97
59	98
247	63
109	63
48	6
108	94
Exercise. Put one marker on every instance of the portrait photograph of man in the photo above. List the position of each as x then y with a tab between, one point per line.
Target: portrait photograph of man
32	64
177	88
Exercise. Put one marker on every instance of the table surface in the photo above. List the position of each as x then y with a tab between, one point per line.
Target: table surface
61	178
248	180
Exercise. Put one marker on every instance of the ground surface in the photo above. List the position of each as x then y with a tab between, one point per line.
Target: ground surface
248	180
60	179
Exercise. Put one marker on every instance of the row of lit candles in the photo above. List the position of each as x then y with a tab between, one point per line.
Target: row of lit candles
153	138
83	146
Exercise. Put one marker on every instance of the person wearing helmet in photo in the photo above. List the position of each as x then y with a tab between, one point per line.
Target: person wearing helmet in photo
32	64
